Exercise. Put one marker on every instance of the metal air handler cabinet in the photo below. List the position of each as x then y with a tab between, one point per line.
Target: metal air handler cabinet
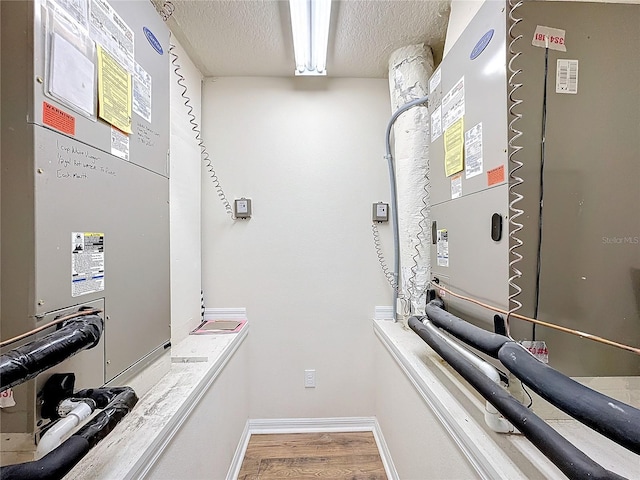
589	267
85	213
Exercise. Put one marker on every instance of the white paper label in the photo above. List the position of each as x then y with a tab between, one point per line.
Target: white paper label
87	263
551	38
78	10
436	123
434	81
6	398
443	248
119	144
453	105
108	29
473	151
567	76
456	186
142	93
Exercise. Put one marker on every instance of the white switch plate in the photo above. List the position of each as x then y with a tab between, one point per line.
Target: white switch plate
309	379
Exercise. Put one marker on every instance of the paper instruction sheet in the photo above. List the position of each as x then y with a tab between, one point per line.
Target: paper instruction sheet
454	148
114	92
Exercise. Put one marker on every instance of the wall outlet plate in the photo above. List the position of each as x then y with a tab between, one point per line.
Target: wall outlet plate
309	379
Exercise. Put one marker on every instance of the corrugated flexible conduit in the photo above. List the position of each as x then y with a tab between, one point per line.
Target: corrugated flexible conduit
394	197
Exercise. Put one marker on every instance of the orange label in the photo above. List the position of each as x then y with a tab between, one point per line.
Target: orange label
56	118
496	175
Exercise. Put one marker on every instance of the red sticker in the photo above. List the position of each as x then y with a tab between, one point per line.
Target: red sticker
56	118
496	175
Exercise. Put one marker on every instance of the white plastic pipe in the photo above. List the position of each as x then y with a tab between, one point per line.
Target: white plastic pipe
492	417
53	437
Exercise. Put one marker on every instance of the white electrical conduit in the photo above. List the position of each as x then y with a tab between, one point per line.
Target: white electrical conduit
53	437
492	417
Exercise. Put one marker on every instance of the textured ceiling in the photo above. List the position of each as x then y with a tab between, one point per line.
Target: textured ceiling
253	37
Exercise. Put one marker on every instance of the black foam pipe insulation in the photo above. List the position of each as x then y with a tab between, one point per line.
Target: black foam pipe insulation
102	396
57	463
53	466
103	423
26	362
613	419
480	339
569	459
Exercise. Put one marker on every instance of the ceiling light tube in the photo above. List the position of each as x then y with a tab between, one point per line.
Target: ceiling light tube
310	21
320	19
301	30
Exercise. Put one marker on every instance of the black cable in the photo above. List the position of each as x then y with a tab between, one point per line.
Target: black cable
542	158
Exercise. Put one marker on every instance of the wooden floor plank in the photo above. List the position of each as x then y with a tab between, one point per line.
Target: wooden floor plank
344	455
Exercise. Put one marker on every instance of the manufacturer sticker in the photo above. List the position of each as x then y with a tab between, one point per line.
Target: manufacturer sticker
567	76
87	263
442	248
153	41
481	45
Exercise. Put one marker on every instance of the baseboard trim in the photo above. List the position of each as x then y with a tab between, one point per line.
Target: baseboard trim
312	425
238	456
225	313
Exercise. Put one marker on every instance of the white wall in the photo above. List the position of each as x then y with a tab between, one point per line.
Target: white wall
462	11
420	446
309	153
184	198
204	446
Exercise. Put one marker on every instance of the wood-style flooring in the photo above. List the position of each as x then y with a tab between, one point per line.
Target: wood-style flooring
352	456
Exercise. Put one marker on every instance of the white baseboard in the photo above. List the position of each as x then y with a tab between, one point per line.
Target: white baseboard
312	425
225	313
383	312
238	456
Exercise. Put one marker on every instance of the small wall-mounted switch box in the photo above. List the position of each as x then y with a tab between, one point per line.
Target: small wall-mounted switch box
380	212
242	207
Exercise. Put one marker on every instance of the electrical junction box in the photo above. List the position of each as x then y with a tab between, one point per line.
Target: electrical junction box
242	207
589	264
85	183
380	212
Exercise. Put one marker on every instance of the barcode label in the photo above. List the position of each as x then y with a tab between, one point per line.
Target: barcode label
567	76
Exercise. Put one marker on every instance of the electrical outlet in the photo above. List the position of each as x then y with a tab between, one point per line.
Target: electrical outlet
309	379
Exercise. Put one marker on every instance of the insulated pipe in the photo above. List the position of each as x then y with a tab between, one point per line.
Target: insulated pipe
607	416
52	466
103	423
570	460
26	362
53	437
492	417
394	197
613	419
487	342
56	464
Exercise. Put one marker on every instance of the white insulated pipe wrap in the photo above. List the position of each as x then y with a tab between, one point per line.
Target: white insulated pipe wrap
409	70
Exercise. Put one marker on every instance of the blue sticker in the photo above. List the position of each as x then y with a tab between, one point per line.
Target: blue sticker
153	40
481	45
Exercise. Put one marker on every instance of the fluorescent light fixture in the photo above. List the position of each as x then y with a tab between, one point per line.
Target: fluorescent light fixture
310	26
